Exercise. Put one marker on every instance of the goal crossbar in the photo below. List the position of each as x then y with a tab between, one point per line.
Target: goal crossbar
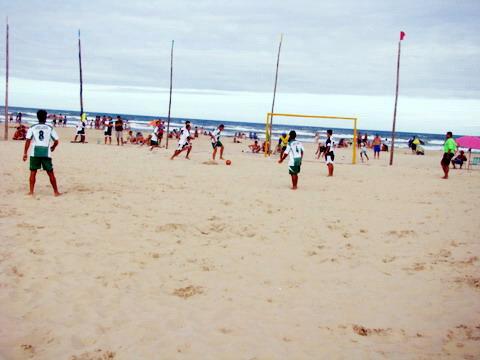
268	129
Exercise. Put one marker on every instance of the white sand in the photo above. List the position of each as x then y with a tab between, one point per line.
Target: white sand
147	258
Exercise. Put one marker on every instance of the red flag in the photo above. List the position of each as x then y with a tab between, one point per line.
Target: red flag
402	35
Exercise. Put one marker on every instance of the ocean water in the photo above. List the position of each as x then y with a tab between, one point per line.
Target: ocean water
304	133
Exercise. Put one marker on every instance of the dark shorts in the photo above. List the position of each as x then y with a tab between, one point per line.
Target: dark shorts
217	144
284	148
376	148
153	143
447	158
37	163
295	168
108	132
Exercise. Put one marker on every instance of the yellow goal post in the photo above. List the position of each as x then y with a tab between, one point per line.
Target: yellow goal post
268	129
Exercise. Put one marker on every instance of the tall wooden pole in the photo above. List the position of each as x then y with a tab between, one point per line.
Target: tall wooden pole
81	75
269	135
396	100
170	100
6	83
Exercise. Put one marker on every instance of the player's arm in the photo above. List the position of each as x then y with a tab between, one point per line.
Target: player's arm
55	144
25	150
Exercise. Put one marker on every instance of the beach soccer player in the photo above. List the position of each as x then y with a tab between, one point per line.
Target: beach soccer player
80	131
216	143
184	142
294	151
41	135
330	152
449	149
282	143
107	132
155	135
377	146
363	151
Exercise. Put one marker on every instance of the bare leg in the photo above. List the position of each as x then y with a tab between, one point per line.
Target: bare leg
445	171
33	174
294	182
214	153
188	152
330	169
221	153
175	154
53	181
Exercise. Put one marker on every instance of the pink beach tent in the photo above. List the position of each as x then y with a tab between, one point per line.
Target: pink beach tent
469	142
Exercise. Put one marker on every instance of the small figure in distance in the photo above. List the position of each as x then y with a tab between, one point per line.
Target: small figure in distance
330	152
255	148
459	159
184	142
216	143
40	156
295	152
363	151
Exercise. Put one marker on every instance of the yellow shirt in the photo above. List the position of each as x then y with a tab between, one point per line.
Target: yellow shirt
284	140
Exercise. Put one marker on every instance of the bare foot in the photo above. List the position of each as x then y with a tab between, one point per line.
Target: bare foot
30	193
57	194
445	177
294	188
186	157
221	158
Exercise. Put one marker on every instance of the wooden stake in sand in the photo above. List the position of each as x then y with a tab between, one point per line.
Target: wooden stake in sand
268	135
402	35
81	75
170	100
6	82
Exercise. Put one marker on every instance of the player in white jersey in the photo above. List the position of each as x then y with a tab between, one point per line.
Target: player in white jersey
154	136
216	143
294	151
184	142
329	152
41	135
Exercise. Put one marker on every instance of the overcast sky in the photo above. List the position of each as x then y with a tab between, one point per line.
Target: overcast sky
338	58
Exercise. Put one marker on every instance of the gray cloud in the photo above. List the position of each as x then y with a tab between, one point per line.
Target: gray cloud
342	47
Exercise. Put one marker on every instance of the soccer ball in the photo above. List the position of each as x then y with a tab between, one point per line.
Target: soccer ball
228	162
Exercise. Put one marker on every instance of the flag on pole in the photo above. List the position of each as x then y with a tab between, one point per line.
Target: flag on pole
402	35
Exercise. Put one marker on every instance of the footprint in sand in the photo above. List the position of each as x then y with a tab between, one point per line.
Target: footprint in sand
188	291
98	354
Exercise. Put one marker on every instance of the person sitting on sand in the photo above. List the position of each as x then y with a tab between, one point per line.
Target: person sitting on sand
131	138
20	133
184	142
459	159
255	147
295	152
41	135
216	143
139	138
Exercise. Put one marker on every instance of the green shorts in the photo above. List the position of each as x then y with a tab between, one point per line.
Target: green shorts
217	144
295	168
37	163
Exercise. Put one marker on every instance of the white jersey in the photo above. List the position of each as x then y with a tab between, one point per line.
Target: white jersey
41	136
154	134
216	135
294	150
184	136
330	143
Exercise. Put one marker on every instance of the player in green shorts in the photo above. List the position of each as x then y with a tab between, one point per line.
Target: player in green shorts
216	143
41	135
295	151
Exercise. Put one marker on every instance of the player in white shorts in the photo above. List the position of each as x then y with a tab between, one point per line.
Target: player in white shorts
184	142
329	152
41	135
294	150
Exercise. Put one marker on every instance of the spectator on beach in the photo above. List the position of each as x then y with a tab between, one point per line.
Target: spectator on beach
216	143
20	133
320	149
184	143
449	149
294	151
19	118
330	152
65	121
282	143
255	148
363	151
459	159
41	135
54	120
376	143
154	143
359	140
139	138
108	130
119	130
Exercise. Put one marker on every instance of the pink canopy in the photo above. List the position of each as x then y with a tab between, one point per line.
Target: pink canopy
469	142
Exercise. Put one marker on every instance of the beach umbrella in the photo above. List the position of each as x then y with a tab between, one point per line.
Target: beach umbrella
469	142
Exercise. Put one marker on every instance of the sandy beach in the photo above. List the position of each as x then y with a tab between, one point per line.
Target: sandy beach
147	258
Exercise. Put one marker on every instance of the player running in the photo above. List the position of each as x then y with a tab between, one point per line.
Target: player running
216	143
184	142
295	152
40	155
